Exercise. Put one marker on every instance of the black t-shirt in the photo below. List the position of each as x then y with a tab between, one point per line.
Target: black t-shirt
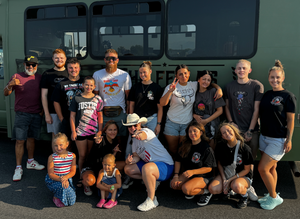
273	110
200	155
64	92
98	151
50	79
225	155
146	98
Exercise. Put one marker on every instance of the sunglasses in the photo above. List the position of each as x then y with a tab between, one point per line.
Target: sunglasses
108	58
33	65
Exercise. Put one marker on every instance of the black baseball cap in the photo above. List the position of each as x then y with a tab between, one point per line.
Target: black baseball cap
32	59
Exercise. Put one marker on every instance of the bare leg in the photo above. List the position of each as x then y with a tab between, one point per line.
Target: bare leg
120	165
19	151
133	171
102	194
30	147
216	186
173	142
267	169
82	151
150	174
194	186
240	185
113	195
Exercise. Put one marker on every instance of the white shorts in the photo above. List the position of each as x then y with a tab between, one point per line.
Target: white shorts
55	126
274	147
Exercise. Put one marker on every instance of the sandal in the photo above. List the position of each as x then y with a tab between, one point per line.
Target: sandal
79	183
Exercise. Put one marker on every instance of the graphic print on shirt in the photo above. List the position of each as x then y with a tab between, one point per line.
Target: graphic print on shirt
239	159
240	96
88	124
185	95
71	91
143	154
57	80
150	95
111	87
276	101
196	157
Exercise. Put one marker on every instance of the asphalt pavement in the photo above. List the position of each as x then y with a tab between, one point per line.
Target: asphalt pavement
30	197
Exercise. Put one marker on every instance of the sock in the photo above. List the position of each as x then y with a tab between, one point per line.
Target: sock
205	191
19	167
30	160
244	196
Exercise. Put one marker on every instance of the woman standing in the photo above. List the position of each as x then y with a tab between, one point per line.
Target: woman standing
195	160
277	113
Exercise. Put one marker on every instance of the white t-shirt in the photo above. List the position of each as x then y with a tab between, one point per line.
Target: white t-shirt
150	149
112	87
181	102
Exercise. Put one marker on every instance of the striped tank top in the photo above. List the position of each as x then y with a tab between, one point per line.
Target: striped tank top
62	165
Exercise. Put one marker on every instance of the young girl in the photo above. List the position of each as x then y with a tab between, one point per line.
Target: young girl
240	182
195	160
277	113
206	109
109	182
86	119
61	169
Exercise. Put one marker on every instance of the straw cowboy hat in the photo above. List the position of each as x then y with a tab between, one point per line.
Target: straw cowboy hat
133	119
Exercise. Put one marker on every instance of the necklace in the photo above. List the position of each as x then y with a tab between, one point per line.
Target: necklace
144	90
231	148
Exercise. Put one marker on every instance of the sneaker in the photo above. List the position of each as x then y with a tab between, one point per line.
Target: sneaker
232	193
271	203
252	194
189	196
58	202
148	204
110	204
263	199
18	174
204	199
127	182
35	165
87	190
243	202
101	203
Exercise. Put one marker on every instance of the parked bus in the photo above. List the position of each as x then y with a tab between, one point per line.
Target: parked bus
205	35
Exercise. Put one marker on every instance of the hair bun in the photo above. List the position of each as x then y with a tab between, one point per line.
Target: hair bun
278	64
148	63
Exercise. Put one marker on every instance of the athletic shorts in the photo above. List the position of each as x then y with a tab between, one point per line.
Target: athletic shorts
274	147
87	137
27	125
55	126
174	129
165	170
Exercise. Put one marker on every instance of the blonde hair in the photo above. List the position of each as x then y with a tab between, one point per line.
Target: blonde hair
277	67
146	64
60	136
109	156
244	61
236	131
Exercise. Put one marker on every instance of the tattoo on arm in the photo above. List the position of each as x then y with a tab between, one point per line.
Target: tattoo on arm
288	135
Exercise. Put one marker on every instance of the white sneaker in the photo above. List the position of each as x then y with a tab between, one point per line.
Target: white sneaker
35	165
87	190
252	194
18	174
148	204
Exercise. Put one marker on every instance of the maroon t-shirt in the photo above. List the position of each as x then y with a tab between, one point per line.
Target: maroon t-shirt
28	94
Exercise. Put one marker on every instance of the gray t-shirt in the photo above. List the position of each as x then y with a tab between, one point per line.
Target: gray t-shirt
205	106
241	98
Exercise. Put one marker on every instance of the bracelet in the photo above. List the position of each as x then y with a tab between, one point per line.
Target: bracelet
237	175
8	88
159	123
176	173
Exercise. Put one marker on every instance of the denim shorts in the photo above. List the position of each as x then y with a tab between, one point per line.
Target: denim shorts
165	170
174	129
151	122
274	147
55	126
27	125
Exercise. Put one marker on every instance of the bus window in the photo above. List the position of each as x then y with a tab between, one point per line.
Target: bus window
132	29
50	27
1	60
213	29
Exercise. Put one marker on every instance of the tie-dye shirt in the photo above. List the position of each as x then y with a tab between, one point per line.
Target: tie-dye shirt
87	111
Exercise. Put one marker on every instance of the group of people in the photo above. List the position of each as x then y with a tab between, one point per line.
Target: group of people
106	116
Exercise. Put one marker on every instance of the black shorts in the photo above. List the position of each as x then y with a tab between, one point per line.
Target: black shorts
88	137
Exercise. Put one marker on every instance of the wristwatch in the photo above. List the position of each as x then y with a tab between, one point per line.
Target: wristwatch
251	130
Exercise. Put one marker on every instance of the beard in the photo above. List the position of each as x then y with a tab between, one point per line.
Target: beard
30	73
59	65
111	68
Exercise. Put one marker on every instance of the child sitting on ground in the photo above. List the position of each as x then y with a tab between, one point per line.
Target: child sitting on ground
109	182
61	169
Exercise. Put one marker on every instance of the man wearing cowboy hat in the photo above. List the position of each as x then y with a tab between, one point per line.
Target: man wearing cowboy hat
28	110
149	161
